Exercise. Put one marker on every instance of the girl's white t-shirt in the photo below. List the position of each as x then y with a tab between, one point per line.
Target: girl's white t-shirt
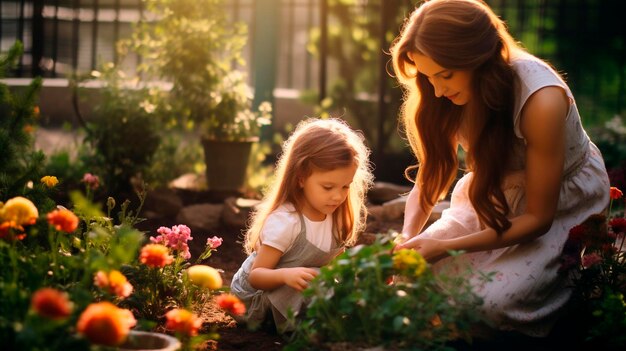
283	225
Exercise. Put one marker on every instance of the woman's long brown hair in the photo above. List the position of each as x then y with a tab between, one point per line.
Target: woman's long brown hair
460	35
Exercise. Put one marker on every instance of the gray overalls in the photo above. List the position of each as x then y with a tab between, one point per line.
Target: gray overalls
279	301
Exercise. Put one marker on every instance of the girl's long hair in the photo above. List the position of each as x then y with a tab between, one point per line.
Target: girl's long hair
318	145
460	35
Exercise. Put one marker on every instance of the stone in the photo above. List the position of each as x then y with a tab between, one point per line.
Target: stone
163	201
237	211
383	192
201	218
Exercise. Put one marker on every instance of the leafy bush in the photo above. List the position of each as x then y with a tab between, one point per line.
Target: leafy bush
372	296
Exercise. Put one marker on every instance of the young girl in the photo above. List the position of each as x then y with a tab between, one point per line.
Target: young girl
534	173
314	208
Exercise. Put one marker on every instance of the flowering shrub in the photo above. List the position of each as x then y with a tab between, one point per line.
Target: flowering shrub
73	278
594	257
371	296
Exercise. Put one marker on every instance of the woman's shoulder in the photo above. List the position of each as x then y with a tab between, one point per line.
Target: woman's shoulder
528	65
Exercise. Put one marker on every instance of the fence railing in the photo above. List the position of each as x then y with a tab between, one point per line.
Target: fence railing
66	36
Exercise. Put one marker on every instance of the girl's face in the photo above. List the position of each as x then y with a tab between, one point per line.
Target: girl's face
325	191
451	84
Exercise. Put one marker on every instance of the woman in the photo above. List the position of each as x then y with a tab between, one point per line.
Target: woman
532	174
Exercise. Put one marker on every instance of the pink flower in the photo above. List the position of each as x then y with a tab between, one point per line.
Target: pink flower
92	181
175	238
591	260
214	242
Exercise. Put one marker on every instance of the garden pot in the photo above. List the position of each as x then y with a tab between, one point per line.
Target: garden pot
149	341
226	163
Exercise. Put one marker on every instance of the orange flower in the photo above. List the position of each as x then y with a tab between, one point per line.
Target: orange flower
36	111
9	231
231	304
615	193
114	282
51	303
106	324
155	255
63	220
19	210
183	321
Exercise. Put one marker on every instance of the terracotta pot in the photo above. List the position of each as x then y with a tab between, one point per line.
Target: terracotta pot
149	341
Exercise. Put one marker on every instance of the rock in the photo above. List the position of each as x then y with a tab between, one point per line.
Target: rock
237	211
189	181
163	201
201	218
383	192
394	209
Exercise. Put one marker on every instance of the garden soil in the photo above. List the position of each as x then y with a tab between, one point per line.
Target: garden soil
228	259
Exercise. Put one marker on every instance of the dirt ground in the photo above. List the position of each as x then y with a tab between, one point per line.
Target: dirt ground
229	258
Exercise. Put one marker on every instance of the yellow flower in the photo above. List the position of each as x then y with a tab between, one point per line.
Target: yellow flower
49	181
205	276
20	211
409	260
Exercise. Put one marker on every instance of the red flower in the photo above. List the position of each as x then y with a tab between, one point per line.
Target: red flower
618	225
615	193
106	324
183	321
63	220
578	233
10	230
51	303
231	304
155	255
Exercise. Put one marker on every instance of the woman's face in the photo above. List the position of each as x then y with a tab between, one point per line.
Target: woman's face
451	84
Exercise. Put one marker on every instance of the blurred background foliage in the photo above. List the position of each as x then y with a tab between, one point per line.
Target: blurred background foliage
583	39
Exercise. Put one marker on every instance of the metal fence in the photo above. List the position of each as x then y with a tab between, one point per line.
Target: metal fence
66	36
63	37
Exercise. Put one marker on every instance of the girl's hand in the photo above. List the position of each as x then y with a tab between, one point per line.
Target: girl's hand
298	277
431	249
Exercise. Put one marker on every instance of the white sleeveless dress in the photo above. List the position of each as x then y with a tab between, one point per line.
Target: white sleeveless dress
527	292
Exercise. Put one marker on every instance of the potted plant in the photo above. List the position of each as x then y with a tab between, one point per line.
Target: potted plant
194	46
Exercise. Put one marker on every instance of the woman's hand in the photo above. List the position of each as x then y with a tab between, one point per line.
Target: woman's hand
298	277
431	249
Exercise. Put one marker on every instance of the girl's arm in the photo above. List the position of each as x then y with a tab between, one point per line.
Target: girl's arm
414	216
543	127
264	276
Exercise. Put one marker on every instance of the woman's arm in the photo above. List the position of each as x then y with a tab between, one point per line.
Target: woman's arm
414	216
264	276
543	127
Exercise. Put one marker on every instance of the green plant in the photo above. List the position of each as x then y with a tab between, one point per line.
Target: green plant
371	296
595	259
193	45
125	131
